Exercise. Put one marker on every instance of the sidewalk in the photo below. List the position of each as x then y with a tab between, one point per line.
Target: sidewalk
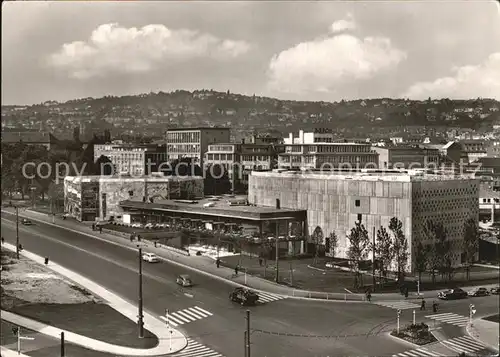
9	353
170	340
485	332
205	265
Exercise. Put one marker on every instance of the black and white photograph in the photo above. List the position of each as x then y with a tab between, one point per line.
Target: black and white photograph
250	178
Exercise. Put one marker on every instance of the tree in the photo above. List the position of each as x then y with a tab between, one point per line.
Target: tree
331	244
440	256
471	244
216	180
103	166
383	250
400	246
317	239
422	254
358	249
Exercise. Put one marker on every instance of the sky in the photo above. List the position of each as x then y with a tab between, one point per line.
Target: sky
319	51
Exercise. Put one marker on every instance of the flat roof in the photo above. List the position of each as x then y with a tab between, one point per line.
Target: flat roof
364	175
221	208
198	128
121	178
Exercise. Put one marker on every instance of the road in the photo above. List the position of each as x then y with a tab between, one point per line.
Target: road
281	328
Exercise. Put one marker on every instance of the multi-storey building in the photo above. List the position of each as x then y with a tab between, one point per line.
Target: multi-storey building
474	149
336	200
132	159
404	157
88	198
315	136
493	148
489	203
327	156
193	142
240	159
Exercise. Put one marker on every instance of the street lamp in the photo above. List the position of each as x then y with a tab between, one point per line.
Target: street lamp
399	314
141	316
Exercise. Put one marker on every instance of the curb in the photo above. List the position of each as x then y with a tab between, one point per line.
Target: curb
400	340
10	353
71	335
225	280
468	329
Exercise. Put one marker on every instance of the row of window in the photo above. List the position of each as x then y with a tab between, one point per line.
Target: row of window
186	137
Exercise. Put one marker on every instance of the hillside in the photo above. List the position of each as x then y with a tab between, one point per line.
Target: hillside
153	113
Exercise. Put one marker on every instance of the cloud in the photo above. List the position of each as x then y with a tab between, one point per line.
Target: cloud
118	49
324	64
343	25
482	80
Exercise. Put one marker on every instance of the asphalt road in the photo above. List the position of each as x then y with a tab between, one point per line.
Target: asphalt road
281	328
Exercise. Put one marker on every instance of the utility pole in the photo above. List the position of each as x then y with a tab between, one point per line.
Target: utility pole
373	259
277	252
62	344
17	232
247	342
140	322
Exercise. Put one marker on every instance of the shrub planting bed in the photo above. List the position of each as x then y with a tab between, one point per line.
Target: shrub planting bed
417	334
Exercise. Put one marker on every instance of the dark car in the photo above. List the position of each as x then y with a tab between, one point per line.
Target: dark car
452	294
244	296
479	292
26	222
495	290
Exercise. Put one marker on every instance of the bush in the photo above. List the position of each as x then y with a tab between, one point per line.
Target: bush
418	334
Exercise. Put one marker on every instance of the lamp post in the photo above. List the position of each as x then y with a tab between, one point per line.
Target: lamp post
399	314
472	311
140	322
17	229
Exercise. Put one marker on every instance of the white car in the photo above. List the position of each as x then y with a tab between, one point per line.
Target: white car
150	258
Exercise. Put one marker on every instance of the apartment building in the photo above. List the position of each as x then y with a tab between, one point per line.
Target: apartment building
319	135
132	159
335	200
493	148
193	142
404	157
474	149
327	155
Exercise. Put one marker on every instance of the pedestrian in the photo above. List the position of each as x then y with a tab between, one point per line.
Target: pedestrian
155	243
217	262
260	261
100	229
406	293
93	226
3	240
422	305
369	296
434	307
236	268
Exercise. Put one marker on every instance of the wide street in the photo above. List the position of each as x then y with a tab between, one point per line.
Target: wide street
284	327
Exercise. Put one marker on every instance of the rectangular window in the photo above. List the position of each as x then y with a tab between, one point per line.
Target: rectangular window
357	203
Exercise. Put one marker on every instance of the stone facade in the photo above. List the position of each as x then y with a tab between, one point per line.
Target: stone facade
335	201
81	193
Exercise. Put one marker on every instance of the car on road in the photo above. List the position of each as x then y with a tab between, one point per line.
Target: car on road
150	258
184	280
26	222
452	294
495	290
243	296
479	292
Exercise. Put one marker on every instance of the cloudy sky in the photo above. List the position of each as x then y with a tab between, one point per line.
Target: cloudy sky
294	50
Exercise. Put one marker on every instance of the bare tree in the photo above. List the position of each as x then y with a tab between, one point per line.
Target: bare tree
383	250
400	246
358	249
440	258
471	244
422	255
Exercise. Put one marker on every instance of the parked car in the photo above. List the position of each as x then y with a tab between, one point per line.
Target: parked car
452	294
495	290
243	296
184	280
479	292
150	258
26	222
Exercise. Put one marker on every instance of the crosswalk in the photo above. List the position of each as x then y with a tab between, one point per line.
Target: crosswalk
398	305
265	298
185	316
450	318
195	349
463	344
420	352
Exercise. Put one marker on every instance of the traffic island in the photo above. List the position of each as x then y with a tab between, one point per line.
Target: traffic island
418	334
33	291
